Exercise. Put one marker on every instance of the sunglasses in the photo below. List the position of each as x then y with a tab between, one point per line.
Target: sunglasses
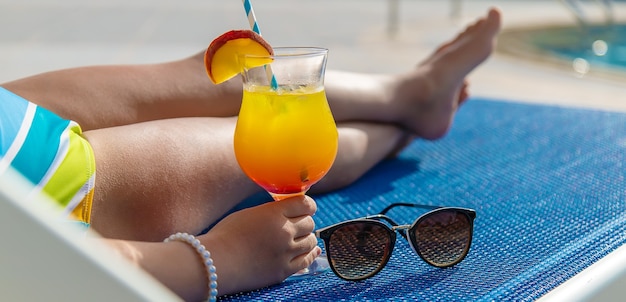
358	249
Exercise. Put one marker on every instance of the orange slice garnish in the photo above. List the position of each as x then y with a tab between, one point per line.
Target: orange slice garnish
221	58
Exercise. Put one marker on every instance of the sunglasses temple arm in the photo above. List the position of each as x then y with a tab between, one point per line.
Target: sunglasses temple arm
404	204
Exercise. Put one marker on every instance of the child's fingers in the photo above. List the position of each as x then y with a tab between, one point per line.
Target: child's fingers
298	206
304	260
304	244
303	225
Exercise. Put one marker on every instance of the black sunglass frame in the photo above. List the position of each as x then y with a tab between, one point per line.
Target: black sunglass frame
326	233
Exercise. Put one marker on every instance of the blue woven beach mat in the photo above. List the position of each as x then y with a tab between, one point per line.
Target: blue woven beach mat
547	183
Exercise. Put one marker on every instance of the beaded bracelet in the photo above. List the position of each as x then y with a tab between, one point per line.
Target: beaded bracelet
206	260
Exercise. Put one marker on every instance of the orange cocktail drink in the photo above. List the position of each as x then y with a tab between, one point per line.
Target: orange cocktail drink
286	140
286	137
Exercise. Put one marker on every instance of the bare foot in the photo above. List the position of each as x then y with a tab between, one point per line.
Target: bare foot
442	77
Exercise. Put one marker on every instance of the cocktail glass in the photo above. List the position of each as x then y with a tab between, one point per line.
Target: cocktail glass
286	136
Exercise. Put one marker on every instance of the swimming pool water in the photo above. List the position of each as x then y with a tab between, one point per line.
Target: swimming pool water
597	45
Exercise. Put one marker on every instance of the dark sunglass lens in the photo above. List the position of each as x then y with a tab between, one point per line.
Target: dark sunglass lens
359	250
443	238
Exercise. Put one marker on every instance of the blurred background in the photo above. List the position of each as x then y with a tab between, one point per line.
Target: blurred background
362	35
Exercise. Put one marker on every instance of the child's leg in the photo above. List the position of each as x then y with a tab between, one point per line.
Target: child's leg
159	177
422	100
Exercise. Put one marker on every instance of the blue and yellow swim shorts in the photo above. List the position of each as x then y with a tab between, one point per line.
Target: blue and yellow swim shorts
50	152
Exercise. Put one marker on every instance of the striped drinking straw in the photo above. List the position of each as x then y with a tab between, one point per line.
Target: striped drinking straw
255	27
